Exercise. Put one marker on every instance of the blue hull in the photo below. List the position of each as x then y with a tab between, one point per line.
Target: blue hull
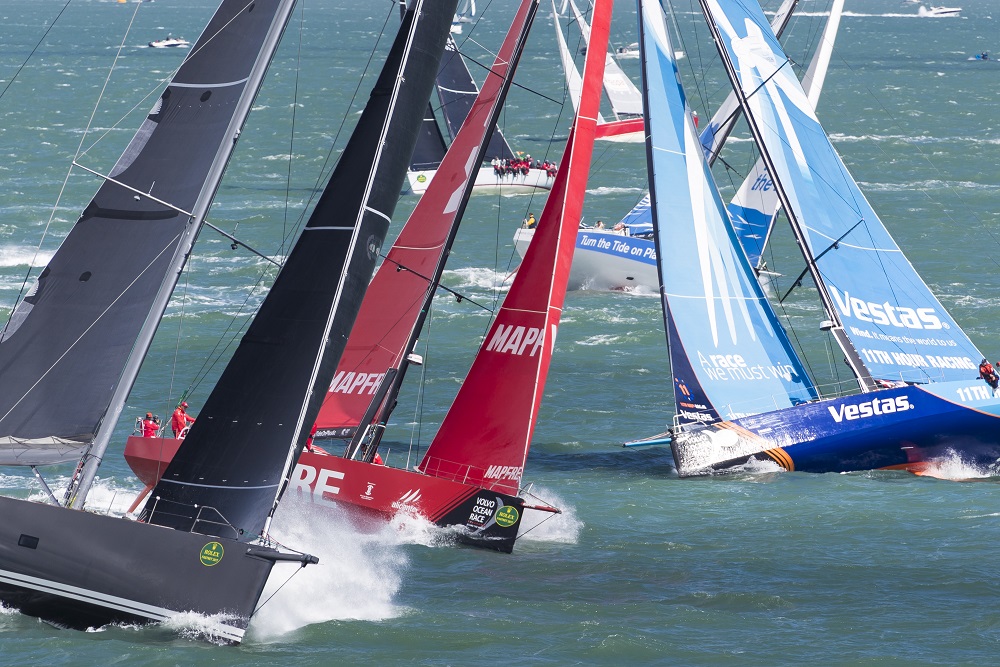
903	428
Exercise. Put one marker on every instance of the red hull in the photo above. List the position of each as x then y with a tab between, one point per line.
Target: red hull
490	519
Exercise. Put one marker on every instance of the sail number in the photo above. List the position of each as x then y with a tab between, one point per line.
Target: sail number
974	393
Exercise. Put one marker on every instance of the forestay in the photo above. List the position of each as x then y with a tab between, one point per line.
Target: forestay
885	317
729	355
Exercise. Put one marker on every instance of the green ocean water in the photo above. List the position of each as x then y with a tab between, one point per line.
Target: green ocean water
761	568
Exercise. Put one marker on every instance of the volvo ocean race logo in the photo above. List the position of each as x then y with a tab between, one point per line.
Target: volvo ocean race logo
877	406
885	314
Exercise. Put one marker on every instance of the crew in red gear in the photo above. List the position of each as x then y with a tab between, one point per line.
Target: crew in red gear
180	419
149	426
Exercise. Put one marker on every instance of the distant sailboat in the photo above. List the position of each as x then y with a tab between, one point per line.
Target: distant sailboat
502	171
625	98
741	390
203	543
623	256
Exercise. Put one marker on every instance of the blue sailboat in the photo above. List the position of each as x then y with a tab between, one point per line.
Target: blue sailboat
741	390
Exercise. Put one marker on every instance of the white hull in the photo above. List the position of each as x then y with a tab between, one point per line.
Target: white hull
488	182
606	260
939	12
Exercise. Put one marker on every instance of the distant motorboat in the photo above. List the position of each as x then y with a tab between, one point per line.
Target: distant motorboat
170	41
938	11
985	55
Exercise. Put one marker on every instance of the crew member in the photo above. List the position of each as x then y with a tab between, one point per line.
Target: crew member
180	419
150	425
987	373
530	222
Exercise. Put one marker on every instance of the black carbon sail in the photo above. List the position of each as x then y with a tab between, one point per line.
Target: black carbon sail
93	310
229	472
431	147
458	91
99	301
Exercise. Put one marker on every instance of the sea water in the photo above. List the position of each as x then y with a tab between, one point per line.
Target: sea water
762	567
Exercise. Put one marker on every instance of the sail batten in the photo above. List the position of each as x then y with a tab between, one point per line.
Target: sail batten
887	321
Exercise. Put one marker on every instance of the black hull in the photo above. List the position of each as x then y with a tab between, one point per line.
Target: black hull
83	570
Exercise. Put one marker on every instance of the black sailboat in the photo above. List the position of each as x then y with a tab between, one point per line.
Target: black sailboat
202	545
457	92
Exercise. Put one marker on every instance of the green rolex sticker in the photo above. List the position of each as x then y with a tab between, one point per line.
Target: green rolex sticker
211	554
506	516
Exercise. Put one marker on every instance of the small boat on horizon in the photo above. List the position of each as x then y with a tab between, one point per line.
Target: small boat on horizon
938	12
169	42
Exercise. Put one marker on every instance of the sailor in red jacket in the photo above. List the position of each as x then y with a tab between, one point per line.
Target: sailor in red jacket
149	426
180	419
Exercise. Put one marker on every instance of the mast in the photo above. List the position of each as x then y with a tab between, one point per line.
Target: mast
854	361
76	494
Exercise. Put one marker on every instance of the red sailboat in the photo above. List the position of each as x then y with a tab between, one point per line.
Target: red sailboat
470	475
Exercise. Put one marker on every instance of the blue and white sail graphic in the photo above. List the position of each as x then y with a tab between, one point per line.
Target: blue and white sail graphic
755	206
729	355
897	328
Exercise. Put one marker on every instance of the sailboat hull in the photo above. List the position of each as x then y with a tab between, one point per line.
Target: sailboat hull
901	428
82	570
488	182
374	493
482	518
606	260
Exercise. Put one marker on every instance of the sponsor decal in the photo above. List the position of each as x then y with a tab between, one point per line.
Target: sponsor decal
516	340
912	360
374	245
367	495
421	178
512	473
349	382
482	512
886	314
623	246
763	183
507	516
407	499
315	483
726	367
211	554
876	406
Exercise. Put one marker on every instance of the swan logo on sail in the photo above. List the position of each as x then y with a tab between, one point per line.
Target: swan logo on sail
516	340
886	313
877	406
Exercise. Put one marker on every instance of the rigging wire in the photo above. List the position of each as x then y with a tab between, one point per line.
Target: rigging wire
35	48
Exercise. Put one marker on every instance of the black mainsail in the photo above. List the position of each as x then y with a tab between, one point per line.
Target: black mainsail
458	91
229	472
94	309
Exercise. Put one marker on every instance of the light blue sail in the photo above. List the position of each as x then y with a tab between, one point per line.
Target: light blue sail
729	355
881	307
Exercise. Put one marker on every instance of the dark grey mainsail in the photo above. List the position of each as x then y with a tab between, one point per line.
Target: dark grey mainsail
458	91
229	472
93	310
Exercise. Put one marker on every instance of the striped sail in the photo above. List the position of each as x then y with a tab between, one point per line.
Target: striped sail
729	355
889	324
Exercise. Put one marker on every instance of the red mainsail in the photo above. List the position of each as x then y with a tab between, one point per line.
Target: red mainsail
485	436
396	295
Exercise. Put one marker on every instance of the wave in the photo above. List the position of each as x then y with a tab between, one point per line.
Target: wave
24	256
